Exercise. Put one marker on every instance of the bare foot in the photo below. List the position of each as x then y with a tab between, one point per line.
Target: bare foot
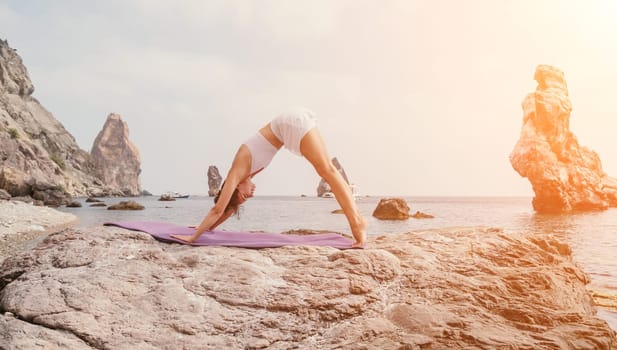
359	245
359	233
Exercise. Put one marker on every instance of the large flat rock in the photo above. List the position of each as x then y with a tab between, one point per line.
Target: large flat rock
472	288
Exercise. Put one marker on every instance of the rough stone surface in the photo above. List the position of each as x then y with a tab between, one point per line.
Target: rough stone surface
215	181
116	158
36	152
565	176
472	288
392	209
323	186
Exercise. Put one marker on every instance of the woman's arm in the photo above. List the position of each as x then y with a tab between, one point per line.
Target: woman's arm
216	215
240	169
222	219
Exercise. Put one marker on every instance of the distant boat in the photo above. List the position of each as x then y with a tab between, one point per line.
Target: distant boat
353	188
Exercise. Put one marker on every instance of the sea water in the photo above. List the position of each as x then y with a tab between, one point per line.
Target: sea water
592	236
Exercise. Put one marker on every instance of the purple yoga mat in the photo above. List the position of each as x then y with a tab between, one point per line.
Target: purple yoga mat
163	231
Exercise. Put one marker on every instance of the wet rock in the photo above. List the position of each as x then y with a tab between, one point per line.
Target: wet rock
421	215
73	204
392	209
98	205
126	205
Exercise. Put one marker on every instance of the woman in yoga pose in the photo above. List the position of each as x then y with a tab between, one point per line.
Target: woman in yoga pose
298	133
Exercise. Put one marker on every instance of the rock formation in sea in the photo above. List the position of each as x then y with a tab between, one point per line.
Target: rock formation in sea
564	175
38	157
472	288
323	186
214	181
116	158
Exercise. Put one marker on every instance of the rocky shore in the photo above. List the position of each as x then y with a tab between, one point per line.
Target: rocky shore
455	288
22	223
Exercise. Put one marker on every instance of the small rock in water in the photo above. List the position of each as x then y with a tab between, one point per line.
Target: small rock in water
392	209
421	215
126	205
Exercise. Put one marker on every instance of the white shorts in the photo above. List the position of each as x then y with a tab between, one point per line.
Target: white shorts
290	127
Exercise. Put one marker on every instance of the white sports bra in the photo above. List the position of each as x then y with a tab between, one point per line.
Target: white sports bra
262	151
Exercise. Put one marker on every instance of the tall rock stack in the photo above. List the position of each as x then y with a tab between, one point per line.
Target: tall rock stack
214	181
323	186
116	158
564	175
38	157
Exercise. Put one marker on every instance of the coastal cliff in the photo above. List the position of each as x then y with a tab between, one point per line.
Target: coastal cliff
39	158
107	288
565	176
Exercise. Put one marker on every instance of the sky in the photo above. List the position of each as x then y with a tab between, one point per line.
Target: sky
415	98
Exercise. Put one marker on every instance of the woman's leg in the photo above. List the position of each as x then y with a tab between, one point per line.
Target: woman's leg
314	150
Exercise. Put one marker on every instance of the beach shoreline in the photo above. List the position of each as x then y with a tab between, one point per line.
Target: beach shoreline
22	225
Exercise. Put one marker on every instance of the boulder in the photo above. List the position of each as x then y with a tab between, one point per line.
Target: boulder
564	175
323	186
14	181
73	204
116	158
474	288
4	195
214	181
392	209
